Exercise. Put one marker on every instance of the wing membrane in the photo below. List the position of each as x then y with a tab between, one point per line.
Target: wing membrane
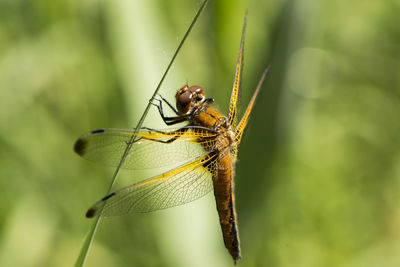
152	149
243	122
233	105
176	187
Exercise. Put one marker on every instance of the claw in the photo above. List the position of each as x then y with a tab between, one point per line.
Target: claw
151	101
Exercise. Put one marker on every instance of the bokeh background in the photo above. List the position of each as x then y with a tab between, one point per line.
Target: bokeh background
318	176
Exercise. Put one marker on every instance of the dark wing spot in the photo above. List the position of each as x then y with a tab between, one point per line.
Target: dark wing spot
209	160
97	131
95	209
91	212
80	146
108	196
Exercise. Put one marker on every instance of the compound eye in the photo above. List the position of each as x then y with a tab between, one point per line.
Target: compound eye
183	101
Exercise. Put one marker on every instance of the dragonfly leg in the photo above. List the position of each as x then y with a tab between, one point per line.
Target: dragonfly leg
168	120
169	104
183	128
175	134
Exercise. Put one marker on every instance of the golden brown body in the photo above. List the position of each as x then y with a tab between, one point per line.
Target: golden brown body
223	177
202	170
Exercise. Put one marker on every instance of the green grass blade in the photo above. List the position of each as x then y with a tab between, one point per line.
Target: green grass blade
92	231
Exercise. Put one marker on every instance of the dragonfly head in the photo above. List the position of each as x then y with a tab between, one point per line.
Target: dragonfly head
187	97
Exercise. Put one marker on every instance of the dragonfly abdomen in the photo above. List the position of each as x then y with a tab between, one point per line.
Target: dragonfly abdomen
223	191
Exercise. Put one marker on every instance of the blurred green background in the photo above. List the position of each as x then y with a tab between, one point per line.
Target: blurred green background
318	175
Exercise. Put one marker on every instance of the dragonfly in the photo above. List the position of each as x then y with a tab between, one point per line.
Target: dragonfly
202	155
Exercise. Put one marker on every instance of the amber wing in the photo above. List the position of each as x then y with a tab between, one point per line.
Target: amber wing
176	187
153	148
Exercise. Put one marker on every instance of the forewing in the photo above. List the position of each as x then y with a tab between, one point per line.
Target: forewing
176	187
243	122
233	105
152	149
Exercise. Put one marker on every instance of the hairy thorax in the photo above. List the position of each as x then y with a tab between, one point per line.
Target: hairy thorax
210	118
